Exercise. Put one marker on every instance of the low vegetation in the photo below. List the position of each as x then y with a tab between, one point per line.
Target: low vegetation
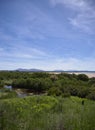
47	113
58	101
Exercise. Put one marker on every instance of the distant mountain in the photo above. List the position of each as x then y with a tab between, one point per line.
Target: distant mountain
68	71
37	70
29	70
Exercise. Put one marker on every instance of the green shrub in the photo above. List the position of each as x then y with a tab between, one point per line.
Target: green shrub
8	95
92	81
91	94
83	92
66	94
83	77
54	91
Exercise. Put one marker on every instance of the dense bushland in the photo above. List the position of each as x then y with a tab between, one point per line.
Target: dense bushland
53	84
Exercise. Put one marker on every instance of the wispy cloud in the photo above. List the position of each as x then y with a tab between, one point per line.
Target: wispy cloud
70	64
34	34
33	23
4	36
52	64
1	49
74	4
21	51
84	16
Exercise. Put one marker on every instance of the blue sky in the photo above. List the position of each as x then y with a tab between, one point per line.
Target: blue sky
47	34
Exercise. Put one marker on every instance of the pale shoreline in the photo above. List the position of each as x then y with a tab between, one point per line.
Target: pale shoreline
89	74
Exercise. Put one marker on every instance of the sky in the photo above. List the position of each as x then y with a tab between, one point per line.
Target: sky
47	34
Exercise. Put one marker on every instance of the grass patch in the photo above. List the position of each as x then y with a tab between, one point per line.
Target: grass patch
47	113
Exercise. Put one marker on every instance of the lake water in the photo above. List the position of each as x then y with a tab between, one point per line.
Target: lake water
8	87
19	93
